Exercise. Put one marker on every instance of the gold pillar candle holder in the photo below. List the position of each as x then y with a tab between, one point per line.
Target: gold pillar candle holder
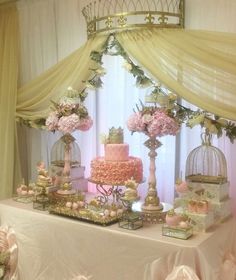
152	209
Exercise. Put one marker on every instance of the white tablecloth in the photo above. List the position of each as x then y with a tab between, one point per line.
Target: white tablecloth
57	248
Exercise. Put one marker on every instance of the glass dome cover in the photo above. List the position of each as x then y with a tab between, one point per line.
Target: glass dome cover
58	151
206	163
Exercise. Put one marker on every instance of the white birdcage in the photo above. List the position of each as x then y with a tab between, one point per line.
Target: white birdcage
206	163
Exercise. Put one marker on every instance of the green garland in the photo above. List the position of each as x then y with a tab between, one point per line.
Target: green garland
160	94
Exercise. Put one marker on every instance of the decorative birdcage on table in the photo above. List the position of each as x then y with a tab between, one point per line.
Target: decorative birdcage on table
206	163
66	169
58	151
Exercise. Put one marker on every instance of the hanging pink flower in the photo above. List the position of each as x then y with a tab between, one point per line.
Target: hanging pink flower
85	124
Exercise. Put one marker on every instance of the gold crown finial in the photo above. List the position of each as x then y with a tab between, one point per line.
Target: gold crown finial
116	135
110	15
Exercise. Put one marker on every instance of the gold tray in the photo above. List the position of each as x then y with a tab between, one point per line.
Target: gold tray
89	215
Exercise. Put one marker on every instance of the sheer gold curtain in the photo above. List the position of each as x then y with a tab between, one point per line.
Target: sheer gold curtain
33	100
205	60
8	93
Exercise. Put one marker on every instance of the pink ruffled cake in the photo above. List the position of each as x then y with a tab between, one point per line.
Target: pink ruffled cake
116	166
116	172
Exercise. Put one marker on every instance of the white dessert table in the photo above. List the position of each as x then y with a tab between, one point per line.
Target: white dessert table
58	248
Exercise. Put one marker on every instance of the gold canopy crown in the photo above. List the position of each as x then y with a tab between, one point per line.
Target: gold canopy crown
111	15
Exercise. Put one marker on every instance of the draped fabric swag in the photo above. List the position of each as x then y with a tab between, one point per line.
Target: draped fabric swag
200	66
34	99
8	93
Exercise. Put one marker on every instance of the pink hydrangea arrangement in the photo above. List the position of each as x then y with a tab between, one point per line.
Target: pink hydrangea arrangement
69	114
153	121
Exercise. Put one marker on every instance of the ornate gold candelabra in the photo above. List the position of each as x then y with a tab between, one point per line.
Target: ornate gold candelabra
66	185
152	208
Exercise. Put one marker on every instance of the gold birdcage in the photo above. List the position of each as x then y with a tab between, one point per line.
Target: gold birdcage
58	151
206	163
